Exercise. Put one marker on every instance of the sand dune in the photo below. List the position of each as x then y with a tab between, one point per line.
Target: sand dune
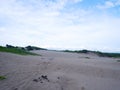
59	71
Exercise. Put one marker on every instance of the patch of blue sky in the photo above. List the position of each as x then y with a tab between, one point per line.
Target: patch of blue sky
88	4
115	11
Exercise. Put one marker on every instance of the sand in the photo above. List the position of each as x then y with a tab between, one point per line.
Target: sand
59	71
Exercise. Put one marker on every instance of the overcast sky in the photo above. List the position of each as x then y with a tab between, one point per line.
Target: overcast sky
61	24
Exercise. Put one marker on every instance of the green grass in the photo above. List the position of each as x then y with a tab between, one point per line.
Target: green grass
16	51
2	77
101	54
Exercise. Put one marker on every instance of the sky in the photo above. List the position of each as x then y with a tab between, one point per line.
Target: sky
61	24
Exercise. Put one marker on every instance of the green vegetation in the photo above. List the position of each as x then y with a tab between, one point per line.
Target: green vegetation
16	51
77	51
101	54
114	55
34	48
2	77
25	51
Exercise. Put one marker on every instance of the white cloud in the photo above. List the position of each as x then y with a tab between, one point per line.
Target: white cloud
48	25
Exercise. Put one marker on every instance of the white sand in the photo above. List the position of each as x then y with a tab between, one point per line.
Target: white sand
65	71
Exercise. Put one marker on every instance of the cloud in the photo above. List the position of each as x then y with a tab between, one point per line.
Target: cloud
109	4
51	25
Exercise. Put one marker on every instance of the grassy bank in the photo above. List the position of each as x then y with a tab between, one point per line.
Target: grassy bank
16	51
101	54
114	55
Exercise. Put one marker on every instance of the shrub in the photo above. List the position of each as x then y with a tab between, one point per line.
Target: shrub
2	77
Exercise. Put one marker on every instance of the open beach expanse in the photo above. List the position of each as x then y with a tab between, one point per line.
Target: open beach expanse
59	44
55	70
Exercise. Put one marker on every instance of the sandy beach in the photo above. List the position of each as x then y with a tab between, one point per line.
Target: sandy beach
59	71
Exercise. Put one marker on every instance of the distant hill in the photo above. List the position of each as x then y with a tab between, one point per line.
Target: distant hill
16	51
34	48
26	48
101	54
